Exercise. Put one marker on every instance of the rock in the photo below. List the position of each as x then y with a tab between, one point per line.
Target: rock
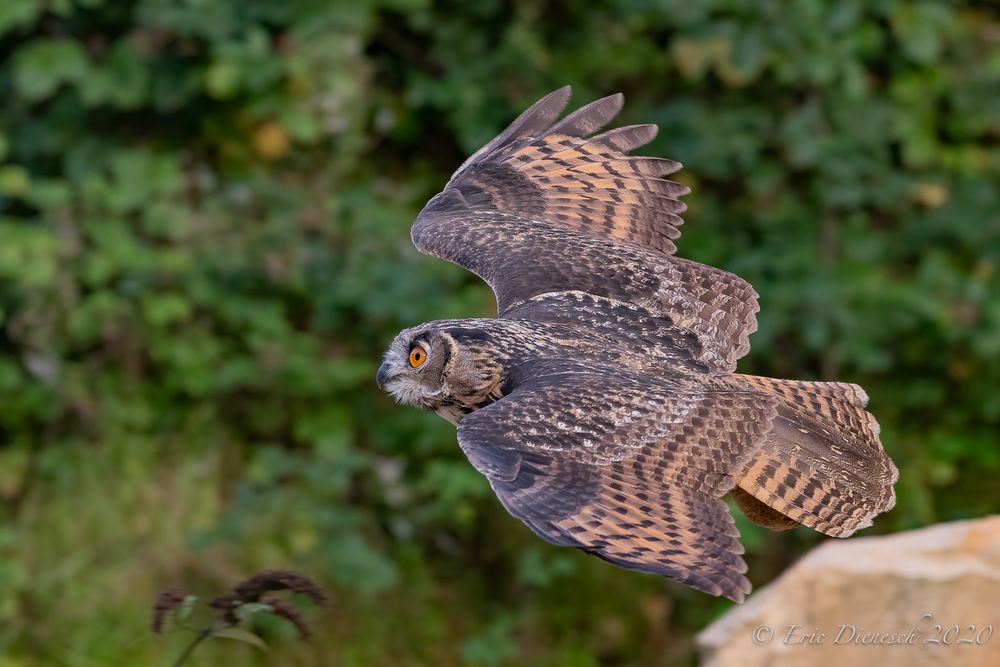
923	597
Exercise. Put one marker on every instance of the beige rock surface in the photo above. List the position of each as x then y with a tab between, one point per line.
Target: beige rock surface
928	597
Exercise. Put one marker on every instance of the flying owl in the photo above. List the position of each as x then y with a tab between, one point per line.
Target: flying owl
602	403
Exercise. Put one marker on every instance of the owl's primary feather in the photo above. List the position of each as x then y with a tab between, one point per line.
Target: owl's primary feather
602	403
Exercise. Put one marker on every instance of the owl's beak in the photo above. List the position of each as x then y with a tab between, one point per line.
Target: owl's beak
384	375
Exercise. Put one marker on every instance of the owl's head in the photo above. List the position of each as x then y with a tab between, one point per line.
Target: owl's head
443	367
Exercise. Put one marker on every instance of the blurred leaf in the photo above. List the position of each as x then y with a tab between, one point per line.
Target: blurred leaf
17	13
44	64
919	26
245	636
494	646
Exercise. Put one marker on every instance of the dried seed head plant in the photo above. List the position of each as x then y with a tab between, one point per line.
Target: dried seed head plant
256	595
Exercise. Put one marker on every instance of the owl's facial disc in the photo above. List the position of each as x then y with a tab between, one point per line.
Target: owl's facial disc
413	367
442	366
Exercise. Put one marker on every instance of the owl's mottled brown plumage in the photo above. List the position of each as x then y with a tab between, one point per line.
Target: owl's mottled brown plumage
602	402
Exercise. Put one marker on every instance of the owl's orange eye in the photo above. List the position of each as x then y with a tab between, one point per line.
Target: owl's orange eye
417	356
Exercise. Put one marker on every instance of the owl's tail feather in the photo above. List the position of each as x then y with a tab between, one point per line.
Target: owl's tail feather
822	464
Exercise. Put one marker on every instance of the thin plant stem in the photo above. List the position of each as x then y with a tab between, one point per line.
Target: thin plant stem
202	636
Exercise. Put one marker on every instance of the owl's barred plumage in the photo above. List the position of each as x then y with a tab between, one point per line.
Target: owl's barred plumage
602	403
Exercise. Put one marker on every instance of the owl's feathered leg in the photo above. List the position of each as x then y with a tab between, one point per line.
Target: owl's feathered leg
759	513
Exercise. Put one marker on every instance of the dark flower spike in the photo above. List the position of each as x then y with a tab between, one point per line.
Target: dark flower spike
253	588
166	603
290	613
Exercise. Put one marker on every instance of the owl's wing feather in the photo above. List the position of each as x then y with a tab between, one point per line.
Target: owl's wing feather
684	338
531	122
545	207
555	171
623	466
522	259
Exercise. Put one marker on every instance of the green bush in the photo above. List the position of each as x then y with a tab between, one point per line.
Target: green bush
204	215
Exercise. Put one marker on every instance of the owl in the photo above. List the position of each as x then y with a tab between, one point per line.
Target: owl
603	403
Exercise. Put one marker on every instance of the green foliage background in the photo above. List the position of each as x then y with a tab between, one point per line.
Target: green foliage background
204	248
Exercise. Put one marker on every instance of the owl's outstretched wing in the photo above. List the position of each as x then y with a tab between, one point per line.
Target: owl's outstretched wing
555	171
547	208
623	466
